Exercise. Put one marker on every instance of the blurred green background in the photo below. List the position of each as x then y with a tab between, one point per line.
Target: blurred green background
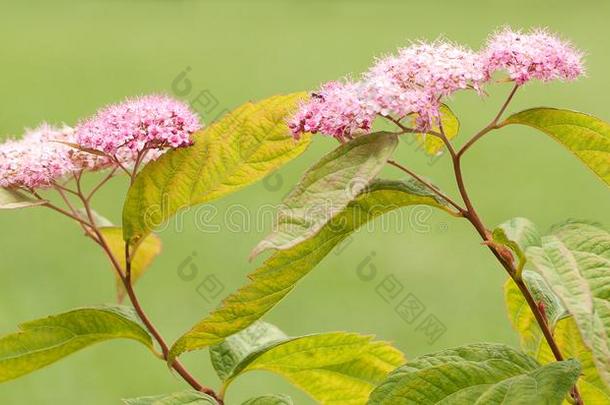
63	60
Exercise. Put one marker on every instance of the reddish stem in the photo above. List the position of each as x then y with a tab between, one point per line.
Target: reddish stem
473	217
125	278
471	214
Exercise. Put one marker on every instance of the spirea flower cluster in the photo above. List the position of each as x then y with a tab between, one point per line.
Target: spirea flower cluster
37	159
336	109
537	55
139	124
415	81
137	129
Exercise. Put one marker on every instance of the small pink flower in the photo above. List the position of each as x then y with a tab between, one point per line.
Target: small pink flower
336	110
150	123
534	55
37	160
413	82
438	68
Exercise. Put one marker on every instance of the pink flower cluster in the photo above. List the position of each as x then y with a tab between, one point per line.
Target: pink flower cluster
127	129
336	110
536	55
415	80
37	159
439	68
124	132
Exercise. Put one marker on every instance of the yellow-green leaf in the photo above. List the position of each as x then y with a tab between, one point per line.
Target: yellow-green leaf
451	127
566	334
270	400
521	316
178	398
521	231
478	374
47	340
517	234
14	199
592	388
146	251
280	273
333	368
573	253
585	136
227	355
575	261
327	187
239	149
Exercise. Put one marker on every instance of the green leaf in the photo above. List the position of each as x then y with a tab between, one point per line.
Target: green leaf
14	199
565	333
499	237
484	374
593	389
451	126
145	252
280	273
522	231
522	317
47	340
586	136
227	355
270	400
575	261
327	187
517	234
178	398
241	148
336	367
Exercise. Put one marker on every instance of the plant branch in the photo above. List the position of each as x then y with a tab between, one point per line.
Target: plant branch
127	264
445	140
50	205
406	130
411	173
473	217
176	365
66	213
64	197
492	125
125	278
86	228
427	185
120	165
64	188
94	228
398	123
475	220
100	184
139	160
